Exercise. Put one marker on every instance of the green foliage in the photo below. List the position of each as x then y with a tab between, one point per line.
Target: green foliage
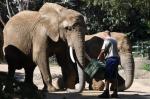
128	16
146	67
52	60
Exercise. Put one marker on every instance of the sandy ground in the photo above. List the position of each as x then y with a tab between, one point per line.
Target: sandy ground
140	88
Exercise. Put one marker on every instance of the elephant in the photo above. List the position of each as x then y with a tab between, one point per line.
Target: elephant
1	45
31	37
93	44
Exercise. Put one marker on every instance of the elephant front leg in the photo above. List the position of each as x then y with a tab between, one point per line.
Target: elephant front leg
46	78
45	71
42	63
40	57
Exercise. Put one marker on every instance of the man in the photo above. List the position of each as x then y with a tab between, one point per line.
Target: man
109	52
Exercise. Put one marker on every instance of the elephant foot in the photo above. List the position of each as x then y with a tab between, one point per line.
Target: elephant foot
29	85
60	84
72	90
51	88
8	89
29	90
97	85
70	84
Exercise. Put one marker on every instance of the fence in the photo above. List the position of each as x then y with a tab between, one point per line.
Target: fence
52	60
141	49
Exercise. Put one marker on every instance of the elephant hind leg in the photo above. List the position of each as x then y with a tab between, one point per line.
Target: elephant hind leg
29	89
68	70
69	77
29	69
10	58
16	59
10	79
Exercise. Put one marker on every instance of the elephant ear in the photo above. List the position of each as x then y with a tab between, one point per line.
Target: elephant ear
50	19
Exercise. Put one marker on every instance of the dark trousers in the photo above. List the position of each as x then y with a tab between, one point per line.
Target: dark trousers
111	69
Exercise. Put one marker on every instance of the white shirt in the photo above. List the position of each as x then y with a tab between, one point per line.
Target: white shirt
110	47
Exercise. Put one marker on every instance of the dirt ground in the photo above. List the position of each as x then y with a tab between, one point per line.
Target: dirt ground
140	88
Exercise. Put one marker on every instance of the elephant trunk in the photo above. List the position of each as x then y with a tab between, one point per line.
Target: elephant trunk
79	58
127	63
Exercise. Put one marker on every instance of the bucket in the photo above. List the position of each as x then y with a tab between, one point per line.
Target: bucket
93	67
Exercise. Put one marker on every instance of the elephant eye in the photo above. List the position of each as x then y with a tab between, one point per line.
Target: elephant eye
69	28
77	24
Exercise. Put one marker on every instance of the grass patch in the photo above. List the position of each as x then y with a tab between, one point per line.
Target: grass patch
146	67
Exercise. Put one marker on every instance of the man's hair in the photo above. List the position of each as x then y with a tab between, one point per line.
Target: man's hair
107	32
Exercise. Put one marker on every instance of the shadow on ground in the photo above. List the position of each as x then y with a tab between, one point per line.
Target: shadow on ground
26	92
90	96
134	96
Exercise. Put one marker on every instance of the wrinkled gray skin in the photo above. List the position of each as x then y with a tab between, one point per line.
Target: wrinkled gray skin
31	37
93	44
1	45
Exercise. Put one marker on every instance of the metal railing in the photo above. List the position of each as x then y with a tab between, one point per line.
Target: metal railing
141	49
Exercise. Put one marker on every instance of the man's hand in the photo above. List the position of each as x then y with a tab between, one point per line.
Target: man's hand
101	56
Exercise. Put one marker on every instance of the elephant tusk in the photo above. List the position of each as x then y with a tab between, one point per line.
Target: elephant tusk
71	54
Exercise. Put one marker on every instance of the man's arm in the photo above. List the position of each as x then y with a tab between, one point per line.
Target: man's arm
101	56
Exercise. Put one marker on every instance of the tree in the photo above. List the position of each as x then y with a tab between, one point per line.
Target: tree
129	16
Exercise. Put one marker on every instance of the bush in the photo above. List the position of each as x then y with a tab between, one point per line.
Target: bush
146	67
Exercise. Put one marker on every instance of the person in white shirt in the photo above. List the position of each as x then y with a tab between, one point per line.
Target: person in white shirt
109	53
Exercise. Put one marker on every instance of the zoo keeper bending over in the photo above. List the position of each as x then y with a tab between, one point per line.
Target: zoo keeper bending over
109	53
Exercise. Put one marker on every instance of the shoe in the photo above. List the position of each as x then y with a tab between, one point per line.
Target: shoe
105	94
114	95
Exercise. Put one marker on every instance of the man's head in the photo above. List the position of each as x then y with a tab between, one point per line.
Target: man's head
106	34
